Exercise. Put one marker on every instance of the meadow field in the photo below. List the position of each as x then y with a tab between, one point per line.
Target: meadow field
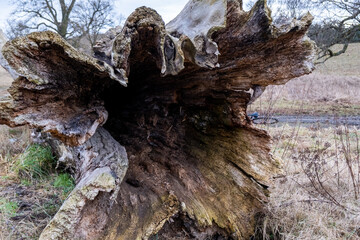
315	197
332	89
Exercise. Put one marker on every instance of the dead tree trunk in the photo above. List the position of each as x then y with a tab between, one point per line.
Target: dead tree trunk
175	98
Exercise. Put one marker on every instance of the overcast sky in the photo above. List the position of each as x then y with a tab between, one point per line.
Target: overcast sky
5	9
168	9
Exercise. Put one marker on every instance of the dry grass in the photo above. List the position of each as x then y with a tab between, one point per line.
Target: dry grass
317	197
5	81
333	88
346	64
26	205
13	140
35	206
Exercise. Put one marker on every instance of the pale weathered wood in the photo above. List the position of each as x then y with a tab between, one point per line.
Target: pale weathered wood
98	166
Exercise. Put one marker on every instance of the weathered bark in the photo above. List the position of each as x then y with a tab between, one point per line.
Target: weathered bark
175	97
99	166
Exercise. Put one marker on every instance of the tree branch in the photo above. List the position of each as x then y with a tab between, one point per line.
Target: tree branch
52	11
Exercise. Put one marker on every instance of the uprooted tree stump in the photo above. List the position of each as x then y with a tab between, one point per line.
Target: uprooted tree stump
154	127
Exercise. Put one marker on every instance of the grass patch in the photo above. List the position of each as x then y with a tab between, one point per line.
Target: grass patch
8	208
25	182
64	182
32	190
37	162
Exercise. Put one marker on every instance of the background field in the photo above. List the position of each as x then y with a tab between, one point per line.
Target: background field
332	89
5	81
316	197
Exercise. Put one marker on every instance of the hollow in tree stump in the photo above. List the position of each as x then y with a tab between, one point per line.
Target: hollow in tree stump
154	127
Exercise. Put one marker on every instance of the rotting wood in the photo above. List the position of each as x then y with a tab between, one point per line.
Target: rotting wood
175	97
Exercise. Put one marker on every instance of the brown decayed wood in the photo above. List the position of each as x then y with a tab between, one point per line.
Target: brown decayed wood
176	99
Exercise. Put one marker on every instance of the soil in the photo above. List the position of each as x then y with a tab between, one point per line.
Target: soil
36	204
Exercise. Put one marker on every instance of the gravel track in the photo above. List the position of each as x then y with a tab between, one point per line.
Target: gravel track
323	120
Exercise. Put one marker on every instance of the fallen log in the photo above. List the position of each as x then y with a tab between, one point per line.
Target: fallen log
154	127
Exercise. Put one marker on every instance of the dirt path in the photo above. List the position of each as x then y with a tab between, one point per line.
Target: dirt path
323	120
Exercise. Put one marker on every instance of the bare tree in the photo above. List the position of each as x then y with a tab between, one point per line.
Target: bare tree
294	8
72	19
283	9
16	29
45	14
336	22
341	25
91	16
